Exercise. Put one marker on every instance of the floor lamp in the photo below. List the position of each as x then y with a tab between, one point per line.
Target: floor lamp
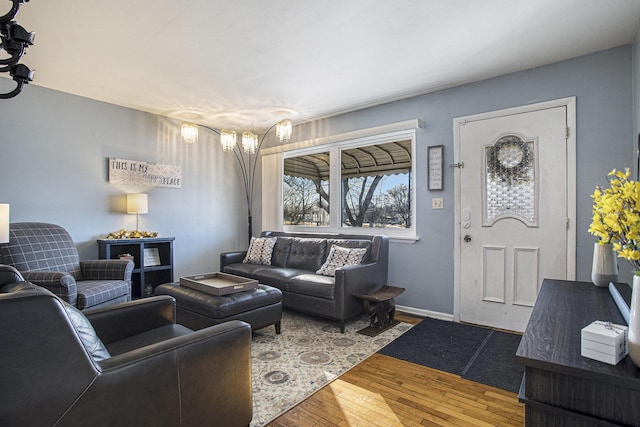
250	146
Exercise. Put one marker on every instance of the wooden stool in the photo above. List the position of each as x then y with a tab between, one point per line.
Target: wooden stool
381	308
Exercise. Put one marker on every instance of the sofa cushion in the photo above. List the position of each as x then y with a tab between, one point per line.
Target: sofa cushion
281	252
313	285
244	270
92	293
341	257
260	250
37	246
307	253
87	334
351	243
277	276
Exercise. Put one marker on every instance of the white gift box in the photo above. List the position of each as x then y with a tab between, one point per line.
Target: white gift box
604	341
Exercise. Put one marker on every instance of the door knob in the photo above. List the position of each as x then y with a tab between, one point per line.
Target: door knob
467	238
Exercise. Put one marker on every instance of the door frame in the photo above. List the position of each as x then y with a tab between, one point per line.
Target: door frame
570	104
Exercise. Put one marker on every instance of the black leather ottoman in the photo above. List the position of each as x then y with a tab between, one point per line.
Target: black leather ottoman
196	310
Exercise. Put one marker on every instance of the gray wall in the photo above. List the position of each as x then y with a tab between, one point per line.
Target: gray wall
54	169
602	84
636	101
55	148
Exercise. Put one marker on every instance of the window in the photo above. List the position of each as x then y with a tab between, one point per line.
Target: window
509	184
376	183
306	190
351	186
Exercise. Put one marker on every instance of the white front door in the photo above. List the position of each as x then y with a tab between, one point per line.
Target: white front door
513	212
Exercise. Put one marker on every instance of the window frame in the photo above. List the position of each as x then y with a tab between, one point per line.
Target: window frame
335	189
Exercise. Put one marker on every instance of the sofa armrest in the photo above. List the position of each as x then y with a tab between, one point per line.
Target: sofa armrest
60	284
118	321
107	269
227	258
222	333
201	377
9	274
361	278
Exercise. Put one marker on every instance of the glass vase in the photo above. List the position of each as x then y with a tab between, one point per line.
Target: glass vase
634	322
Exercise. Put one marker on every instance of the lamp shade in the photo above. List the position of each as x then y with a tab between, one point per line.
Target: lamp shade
283	130
4	223
137	203
228	139
189	132
249	142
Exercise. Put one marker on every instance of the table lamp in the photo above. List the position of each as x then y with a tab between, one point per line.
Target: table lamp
4	223
137	204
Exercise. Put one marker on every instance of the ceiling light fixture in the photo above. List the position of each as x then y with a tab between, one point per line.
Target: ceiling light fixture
15	40
251	145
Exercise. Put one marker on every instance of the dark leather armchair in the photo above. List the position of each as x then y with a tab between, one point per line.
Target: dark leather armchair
46	255
127	364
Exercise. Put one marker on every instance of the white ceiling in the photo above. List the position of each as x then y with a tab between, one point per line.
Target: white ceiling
245	64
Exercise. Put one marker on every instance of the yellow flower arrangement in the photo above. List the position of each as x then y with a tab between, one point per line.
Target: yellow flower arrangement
616	216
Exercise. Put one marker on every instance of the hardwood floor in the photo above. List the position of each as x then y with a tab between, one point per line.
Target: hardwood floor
384	391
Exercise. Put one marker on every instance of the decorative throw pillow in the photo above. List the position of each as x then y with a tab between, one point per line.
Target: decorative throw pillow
260	249
341	257
87	334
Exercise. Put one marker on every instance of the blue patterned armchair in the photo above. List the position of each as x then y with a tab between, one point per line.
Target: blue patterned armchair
46	256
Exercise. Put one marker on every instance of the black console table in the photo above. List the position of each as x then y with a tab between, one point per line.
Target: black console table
562	388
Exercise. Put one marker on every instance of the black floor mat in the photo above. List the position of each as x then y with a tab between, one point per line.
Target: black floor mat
478	354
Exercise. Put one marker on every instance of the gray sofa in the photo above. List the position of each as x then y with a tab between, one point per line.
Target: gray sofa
294	261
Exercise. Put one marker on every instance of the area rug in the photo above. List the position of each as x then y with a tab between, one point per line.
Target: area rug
307	355
478	354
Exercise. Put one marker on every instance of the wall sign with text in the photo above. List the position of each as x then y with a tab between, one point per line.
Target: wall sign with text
435	163
133	172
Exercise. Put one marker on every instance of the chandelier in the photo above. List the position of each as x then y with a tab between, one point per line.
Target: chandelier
15	40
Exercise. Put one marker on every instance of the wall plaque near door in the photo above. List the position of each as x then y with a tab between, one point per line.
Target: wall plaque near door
435	162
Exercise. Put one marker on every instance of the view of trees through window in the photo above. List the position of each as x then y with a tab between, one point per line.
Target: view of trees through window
306	202
375	187
306	190
376	201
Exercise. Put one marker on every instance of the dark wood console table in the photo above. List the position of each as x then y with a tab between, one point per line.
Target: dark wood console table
560	387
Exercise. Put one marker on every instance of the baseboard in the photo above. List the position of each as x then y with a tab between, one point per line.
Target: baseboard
425	313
